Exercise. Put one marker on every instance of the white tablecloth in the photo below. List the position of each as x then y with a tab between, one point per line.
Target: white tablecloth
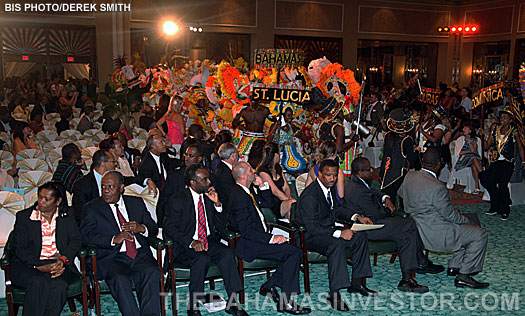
373	155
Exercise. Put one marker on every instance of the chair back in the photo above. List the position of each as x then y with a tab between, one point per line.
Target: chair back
10	204
46	136
84	143
149	200
300	183
71	134
140	133
6	179
6	159
31	180
137	143
32	164
54	155
30	153
88	152
50	145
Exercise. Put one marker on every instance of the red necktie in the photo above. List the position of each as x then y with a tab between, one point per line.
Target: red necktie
131	248
203	235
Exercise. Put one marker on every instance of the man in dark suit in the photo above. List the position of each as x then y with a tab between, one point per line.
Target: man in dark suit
197	135
156	164
190	222
119	226
223	174
258	242
88	187
317	210
379	208
175	181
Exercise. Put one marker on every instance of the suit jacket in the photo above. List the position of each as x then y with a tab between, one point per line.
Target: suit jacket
314	212
27	239
85	189
224	182
245	219
180	221
427	200
174	184
148	168
98	227
363	200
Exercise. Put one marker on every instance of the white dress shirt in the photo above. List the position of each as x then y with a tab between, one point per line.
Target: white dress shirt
124	212
196	197
160	167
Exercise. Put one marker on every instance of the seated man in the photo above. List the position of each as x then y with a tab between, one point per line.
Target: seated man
190	222
317	210
258	242
367	202
223	175
441	227
156	163
119	226
175	181
68	170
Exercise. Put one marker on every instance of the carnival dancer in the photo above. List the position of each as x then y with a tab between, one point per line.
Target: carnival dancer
495	179
291	160
399	154
254	117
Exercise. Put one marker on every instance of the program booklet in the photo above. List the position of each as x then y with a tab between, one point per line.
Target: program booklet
361	227
213	302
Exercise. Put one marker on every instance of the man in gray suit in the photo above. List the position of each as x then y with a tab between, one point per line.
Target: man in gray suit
441	227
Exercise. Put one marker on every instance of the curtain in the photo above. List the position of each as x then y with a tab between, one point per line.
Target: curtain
80	71
17	68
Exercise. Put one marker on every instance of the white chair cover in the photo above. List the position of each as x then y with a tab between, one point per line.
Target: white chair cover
47	135
54	165
6	159
94	135
87	153
5	137
10	204
140	133
30	153
33	179
71	134
143	193
49	146
84	143
300	183
52	116
30	199
6	180
137	144
31	165
54	155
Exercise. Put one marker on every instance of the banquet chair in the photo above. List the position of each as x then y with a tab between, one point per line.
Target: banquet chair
149	199
140	133
84	143
10	204
54	155
6	159
31	180
71	134
300	183
5	137
52	116
77	283
30	153
74	122
137	143
47	135
31	165
94	135
6	179
88	152
50	145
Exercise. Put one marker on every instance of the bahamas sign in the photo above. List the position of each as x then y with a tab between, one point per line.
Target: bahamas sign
277	94
276	58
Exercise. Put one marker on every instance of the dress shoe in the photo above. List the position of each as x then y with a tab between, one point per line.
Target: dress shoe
291	307
336	301
363	290
430	268
452	271
467	281
271	293
491	212
504	217
236	310
411	285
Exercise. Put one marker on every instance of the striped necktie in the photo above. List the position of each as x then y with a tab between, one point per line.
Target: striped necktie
203	234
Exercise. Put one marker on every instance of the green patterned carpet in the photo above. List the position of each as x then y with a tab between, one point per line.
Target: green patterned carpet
503	269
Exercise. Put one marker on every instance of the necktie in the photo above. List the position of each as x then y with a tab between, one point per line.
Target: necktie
131	248
261	215
202	232
329	200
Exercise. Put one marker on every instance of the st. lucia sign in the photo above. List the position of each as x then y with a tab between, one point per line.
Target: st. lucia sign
277	58
284	95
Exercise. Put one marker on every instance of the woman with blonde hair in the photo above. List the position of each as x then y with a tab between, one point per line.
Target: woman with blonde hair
174	120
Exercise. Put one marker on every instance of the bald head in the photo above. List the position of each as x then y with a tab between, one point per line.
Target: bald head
243	173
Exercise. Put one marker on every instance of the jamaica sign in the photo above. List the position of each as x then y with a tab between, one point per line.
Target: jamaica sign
277	58
282	95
